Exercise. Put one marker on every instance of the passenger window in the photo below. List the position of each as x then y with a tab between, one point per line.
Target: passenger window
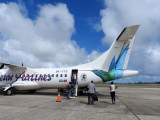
56	75
65	75
52	75
61	75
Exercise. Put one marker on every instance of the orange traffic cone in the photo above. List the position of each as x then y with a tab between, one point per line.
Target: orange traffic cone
58	99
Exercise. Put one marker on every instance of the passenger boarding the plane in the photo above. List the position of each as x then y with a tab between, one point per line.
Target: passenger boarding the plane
73	86
69	90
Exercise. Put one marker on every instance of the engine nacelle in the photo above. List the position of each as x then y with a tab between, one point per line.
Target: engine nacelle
25	85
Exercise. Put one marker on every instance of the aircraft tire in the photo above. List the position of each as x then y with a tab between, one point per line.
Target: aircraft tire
10	91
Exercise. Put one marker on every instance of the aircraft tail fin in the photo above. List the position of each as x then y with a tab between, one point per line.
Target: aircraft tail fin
120	50
118	54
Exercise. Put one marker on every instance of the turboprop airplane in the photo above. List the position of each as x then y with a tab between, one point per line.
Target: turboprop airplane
111	65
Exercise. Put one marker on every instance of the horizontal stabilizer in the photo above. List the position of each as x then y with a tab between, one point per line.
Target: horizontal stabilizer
128	33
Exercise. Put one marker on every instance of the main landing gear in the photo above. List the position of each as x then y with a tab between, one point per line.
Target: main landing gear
10	91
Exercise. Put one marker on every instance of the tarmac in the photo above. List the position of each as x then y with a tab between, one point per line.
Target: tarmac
132	103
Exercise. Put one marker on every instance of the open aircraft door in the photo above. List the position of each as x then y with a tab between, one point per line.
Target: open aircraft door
74	80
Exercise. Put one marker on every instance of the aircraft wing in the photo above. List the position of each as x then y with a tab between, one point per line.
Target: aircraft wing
12	68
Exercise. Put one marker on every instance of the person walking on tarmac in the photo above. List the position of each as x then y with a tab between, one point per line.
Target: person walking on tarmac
69	90
112	92
91	93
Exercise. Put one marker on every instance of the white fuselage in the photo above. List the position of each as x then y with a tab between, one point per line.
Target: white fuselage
33	79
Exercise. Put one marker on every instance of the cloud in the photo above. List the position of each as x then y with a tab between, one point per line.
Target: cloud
121	13
43	42
46	40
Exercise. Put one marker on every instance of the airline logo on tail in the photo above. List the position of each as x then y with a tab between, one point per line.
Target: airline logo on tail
116	68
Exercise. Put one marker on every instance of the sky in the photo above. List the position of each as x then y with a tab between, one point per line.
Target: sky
62	33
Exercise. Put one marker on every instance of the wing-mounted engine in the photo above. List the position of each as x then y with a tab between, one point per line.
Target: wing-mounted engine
10	76
25	85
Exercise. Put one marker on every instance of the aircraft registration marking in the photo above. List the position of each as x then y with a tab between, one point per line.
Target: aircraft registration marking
61	71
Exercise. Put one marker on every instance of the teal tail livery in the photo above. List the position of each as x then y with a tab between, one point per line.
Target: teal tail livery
111	65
